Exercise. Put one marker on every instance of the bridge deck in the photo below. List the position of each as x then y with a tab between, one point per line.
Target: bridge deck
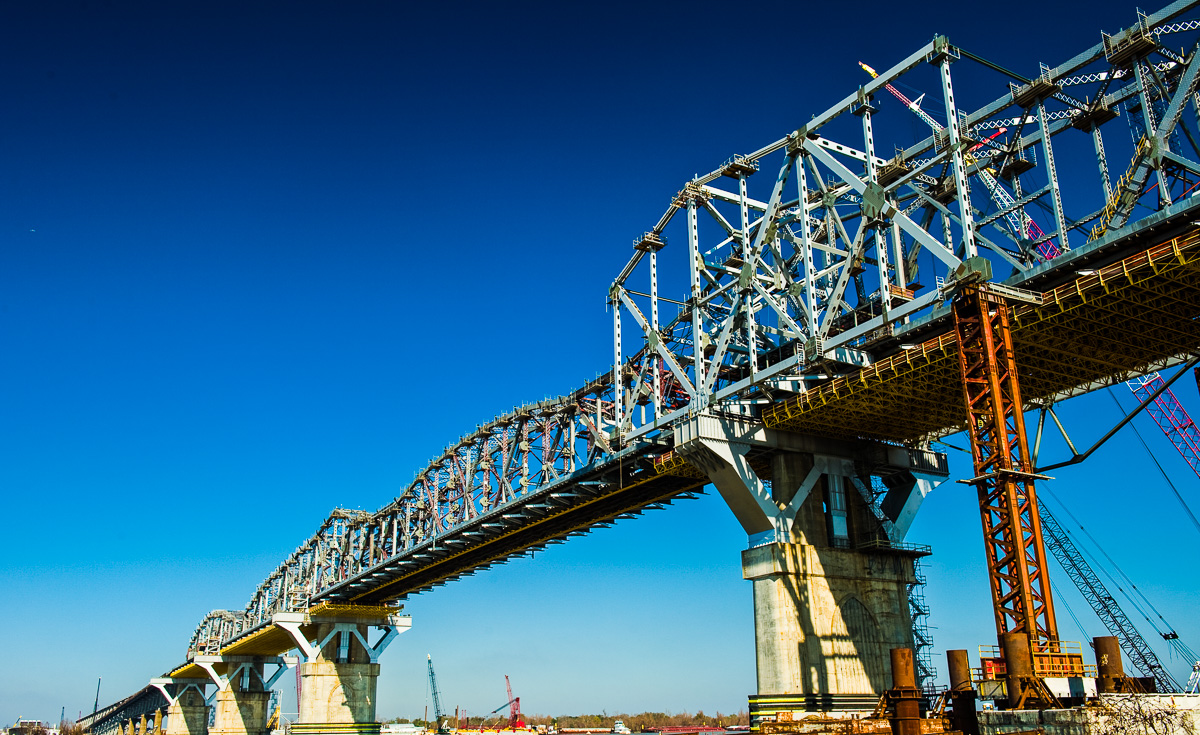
1106	323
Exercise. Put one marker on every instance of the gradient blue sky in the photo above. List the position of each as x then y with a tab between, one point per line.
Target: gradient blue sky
264	259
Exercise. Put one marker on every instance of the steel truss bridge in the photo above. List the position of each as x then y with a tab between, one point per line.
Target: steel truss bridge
819	270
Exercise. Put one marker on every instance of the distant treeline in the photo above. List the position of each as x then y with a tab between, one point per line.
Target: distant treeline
643	720
637	722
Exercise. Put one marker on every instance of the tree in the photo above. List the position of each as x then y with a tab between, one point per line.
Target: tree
1137	714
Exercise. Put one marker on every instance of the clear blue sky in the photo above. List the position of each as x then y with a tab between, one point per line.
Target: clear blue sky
258	260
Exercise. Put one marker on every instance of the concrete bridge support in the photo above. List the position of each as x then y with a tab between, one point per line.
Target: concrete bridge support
187	710
830	573
243	693
239	704
340	667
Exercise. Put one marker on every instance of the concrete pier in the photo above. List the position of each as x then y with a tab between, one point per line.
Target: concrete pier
825	621
340	667
187	715
339	685
827	562
241	707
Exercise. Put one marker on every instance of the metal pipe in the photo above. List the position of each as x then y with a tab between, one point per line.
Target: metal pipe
960	669
904	673
904	694
1108	663
1018	664
962	695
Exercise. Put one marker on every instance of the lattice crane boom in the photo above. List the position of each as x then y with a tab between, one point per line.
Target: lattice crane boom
437	698
1171	417
1103	603
514	707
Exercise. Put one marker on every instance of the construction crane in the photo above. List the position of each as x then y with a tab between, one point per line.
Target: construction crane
1166	411
442	728
1102	602
515	720
514	707
1171	417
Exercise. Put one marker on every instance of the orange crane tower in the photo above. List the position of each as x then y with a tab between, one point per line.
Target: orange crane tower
1016	556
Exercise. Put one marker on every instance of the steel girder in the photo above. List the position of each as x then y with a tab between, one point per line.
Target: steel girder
1130	317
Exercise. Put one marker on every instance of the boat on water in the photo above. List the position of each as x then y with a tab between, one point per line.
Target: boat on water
619	728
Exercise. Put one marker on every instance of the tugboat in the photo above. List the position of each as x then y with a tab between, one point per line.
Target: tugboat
620	729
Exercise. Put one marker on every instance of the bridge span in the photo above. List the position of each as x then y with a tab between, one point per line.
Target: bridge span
844	310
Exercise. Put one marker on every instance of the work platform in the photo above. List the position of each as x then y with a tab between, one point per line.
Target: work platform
1103	324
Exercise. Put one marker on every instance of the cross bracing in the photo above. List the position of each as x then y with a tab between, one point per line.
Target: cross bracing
813	274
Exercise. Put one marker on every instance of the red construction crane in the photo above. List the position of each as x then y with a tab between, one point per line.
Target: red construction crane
515	720
1171	417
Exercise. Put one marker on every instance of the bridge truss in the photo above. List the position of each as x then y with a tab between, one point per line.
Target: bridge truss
810	281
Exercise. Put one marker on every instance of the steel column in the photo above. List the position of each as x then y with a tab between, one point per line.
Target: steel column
1016	556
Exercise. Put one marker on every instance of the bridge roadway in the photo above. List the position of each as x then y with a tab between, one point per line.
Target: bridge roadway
1117	307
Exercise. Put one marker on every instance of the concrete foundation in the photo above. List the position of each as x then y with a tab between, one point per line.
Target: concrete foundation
337	693
187	716
825	621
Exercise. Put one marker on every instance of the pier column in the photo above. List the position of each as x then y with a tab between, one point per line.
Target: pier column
829	571
243	690
187	713
340	666
241	705
824	623
339	688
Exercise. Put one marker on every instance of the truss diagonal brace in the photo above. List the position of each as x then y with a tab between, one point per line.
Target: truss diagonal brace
930	243
658	346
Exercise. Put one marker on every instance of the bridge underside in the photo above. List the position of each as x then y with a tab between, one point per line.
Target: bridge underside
631	487
1105	324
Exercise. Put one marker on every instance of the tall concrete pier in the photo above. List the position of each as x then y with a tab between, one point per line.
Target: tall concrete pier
339	684
187	711
829	569
339	670
241	704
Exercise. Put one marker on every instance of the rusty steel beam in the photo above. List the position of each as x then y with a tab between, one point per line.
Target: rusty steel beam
1016	556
